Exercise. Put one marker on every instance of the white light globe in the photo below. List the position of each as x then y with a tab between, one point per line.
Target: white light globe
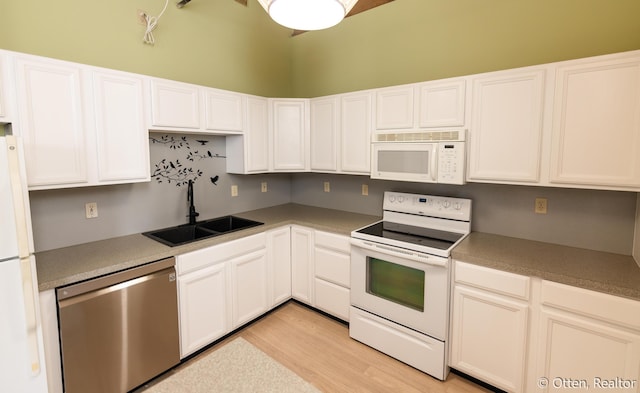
307	14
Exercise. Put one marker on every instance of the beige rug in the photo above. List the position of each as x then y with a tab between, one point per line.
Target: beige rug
236	367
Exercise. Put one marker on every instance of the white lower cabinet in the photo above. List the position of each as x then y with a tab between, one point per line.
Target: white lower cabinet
490	325
248	287
219	288
203	307
279	264
332	261
302	254
524	334
587	340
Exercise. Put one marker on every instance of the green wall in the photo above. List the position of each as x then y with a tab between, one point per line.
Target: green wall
217	43
220	43
409	41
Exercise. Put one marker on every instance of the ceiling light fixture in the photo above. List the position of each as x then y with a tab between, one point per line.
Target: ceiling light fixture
307	14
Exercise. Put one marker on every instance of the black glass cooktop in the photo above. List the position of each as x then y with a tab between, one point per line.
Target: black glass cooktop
426	237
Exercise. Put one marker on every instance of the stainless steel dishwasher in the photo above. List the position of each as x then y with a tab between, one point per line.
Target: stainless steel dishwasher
120	330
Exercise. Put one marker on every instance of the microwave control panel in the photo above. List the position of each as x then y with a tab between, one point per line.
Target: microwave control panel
451	163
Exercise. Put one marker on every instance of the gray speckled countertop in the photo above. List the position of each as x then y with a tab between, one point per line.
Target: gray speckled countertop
68	265
615	274
605	272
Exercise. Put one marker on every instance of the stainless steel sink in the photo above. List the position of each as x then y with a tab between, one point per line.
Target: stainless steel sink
187	233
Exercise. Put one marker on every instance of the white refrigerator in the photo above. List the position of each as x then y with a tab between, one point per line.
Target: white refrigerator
22	367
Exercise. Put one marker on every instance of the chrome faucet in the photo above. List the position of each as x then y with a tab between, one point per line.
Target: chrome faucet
192	209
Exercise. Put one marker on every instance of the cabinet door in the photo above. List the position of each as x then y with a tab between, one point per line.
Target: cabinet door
279	257
489	337
224	111
506	127
257	135
290	134
324	130
302	264
249	287
121	135
355	128
52	122
203	307
596	123
586	351
174	105
394	108
3	89
442	104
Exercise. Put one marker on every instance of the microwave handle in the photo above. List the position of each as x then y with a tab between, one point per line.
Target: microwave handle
434	162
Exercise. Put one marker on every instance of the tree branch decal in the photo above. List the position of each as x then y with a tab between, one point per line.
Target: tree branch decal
174	171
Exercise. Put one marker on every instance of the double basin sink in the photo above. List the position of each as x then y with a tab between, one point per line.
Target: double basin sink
187	233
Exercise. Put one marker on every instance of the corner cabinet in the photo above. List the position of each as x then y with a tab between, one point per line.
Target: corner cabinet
82	126
251	152
506	128
290	130
489	325
596	122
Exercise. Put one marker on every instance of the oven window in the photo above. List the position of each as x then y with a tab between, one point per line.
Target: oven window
399	284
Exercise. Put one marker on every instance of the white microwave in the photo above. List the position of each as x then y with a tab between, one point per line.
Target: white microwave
428	157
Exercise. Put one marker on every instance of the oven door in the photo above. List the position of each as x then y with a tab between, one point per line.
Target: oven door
406	287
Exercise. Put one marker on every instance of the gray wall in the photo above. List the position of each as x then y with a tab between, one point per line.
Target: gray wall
598	220
58	216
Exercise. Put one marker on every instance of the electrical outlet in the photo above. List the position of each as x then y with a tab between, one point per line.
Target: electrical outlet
234	190
327	186
365	189
541	206
263	187
91	210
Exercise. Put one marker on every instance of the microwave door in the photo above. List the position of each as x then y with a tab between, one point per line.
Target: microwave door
410	162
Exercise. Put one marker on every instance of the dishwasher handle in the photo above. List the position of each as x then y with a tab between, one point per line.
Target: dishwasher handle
114	278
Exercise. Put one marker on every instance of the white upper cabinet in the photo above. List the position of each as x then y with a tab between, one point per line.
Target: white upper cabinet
223	110
52	121
506	126
82	126
424	105
183	107
122	139
394	107
174	105
4	89
324	133
251	152
355	131
596	122
341	133
442	103
290	130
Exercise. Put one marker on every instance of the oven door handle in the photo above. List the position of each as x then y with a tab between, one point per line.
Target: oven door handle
401	253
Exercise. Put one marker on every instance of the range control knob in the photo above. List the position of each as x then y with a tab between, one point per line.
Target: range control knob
446	203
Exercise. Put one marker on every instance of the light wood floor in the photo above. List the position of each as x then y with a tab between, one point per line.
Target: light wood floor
319	349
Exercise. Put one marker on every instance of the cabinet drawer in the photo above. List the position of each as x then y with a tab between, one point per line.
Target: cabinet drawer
332	241
593	304
332	298
333	266
195	260
492	280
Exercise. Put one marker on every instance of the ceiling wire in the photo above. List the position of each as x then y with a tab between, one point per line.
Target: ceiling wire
152	22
